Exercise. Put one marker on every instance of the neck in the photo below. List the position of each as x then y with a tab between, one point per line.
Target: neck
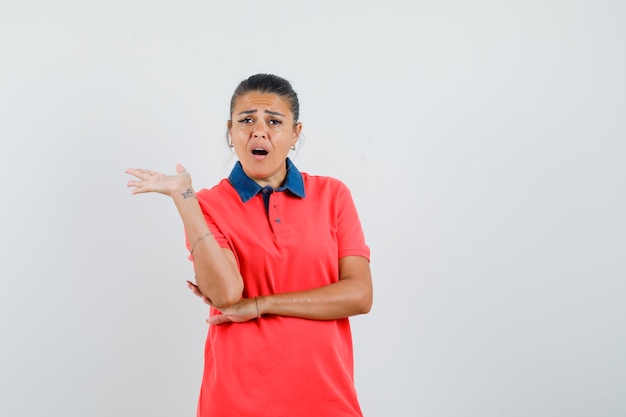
274	181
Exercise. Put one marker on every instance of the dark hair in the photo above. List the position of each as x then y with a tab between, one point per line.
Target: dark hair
268	83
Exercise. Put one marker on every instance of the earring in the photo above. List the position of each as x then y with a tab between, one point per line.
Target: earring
293	147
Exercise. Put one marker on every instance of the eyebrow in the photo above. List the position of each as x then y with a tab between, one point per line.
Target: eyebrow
273	113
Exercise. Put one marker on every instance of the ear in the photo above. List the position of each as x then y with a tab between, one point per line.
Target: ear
229	124
296	133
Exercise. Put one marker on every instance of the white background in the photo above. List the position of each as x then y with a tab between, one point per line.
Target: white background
484	143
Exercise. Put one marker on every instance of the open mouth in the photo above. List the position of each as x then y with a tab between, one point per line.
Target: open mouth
259	151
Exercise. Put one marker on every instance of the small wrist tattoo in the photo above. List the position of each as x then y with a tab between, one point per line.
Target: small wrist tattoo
187	194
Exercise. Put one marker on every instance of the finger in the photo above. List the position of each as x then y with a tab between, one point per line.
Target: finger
140	173
132	171
180	168
194	288
133	183
135	171
218	319
138	187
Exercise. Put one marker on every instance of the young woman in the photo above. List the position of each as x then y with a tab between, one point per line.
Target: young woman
280	257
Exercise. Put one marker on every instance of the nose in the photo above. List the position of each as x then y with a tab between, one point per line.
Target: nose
260	131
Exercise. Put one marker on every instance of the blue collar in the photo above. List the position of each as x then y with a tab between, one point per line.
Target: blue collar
247	188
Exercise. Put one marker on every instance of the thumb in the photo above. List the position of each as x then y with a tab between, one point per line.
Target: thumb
218	319
180	168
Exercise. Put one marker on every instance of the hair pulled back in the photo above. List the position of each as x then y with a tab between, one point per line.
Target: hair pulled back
268	83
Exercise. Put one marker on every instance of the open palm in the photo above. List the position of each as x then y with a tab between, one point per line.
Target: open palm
151	181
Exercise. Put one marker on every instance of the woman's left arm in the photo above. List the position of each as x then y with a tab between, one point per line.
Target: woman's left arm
351	295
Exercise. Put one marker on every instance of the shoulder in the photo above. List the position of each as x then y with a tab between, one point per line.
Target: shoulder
320	183
327	191
217	192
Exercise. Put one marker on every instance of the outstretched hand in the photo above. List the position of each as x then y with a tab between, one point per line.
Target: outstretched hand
150	181
244	310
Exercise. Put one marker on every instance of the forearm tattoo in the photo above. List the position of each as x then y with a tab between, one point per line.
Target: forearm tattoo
188	194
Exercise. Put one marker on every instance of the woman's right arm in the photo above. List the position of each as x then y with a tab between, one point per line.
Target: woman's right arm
217	273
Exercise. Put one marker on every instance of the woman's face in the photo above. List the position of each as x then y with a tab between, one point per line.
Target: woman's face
262	131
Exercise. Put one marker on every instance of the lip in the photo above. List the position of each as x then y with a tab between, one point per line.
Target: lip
259	157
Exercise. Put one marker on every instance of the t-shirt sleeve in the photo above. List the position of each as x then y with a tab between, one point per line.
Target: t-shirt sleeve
217	233
350	237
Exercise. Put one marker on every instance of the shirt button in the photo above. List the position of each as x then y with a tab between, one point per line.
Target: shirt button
277	220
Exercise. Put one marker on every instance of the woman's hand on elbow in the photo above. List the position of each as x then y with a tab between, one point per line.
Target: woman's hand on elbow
246	309
223	301
196	291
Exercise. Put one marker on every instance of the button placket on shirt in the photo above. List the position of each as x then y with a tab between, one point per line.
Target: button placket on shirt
275	215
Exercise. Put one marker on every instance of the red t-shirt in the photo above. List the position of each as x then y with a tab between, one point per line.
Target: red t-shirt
282	366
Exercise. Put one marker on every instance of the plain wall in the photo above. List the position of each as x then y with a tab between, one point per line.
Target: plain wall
484	144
